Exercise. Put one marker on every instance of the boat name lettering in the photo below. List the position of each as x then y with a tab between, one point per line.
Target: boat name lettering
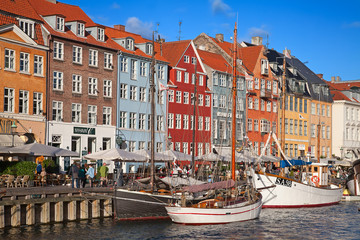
284	182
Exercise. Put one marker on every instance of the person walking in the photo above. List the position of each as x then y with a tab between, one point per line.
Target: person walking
38	168
82	177
74	173
103	175
91	174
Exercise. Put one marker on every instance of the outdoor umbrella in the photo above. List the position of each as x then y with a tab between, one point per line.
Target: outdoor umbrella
115	154
176	155
211	157
159	157
38	149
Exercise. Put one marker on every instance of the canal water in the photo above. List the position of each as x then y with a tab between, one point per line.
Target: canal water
334	222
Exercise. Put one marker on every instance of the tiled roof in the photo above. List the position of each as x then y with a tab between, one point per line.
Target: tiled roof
338	95
7	20
173	51
250	56
71	12
341	86
20	8
228	47
215	61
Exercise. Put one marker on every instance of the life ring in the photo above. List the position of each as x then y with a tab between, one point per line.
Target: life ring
315	179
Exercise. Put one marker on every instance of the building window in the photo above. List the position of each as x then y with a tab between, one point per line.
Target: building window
23	101
57	111
130	44
193	60
38	65
171	120
101	34
9	59
178	121
160	97
76	113
264	67
92	114
142	94
149	49
291	126
178	76
200	149
24	62
171	95
200	123
76	83
186	77
207	123
107	115
9	100
201	100
275	87
58	81
313	131
328	132
133	93
222	80
77	54
256	125
132	122
185	147
160	123
106	143
93	90
222	102
159	146
60	26
286	126
27	27
207	101
186	98
143	66
93	58
262	105
142	119
133	69
141	145
107	88
75	144
58	52
305	106
201	80
328	111
222	129
37	103
132	146
161	72
323	133
123	91
186	59
122	120
81	29
108	61
268	106
123	64
300	127
178	96
295	127
186	122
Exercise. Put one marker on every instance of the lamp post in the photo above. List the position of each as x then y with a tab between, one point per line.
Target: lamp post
13	127
169	142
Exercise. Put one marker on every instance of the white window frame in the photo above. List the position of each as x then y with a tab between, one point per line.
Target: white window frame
93	57
123	64
76	83
60	24
9	100
24	62
178	96
143	68
123	91
186	77
186	98
76	112
58	52
38	65
186	59
107	88
92	114
161	72
58	81
133	93
186	121
142	121
57	111
178	76
133	69
101	34
28	27
170	120
77	54
107	115
178	121
123	119
171	96
37	103
207	100
93	86
23	102
9	59
80	27
142	94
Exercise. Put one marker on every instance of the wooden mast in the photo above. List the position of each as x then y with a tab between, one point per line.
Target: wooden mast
283	107
152	117
233	133
194	126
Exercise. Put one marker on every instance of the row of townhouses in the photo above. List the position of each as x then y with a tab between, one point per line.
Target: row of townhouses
69	82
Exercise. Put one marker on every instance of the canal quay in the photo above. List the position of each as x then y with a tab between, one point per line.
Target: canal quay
53	204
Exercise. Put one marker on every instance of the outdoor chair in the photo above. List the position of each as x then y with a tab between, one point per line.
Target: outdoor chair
25	181
37	180
2	181
61	179
17	182
10	181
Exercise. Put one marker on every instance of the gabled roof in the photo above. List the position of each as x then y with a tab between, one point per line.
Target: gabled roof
250	56
20	8
215	61
338	95
71	12
173	51
342	86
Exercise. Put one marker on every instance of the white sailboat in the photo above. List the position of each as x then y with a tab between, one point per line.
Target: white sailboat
227	202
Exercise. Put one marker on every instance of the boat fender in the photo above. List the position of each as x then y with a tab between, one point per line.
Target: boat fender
315	179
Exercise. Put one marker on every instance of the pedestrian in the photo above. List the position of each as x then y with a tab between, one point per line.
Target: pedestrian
91	174
43	177
103	175
38	168
74	172
82	177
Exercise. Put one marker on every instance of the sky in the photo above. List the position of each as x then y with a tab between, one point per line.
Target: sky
323	34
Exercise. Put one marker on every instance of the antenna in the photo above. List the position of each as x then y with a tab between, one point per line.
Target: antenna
180	22
267	41
157	27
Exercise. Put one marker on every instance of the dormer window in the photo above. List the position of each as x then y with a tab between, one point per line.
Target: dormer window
264	67
129	44
81	29
101	34
149	49
60	24
27	27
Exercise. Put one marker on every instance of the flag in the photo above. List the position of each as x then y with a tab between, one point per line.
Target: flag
287	53
162	87
301	117
247	76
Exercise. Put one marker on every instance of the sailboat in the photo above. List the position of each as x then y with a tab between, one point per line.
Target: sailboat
310	189
227	202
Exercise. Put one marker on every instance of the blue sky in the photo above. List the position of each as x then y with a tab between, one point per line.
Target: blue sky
325	34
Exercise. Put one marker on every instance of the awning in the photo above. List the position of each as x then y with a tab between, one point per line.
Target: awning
285	163
6	140
210	186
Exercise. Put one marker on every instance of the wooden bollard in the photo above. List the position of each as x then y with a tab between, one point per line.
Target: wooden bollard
107	208
30	214
59	211
15	215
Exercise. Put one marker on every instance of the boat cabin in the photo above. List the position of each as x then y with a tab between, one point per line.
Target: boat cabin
319	174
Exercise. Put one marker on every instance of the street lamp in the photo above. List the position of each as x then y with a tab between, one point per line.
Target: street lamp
13	128
169	142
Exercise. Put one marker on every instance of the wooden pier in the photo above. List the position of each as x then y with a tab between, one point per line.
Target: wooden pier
42	205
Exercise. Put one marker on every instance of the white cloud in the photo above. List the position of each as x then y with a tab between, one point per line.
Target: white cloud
355	24
261	32
115	6
218	6
135	25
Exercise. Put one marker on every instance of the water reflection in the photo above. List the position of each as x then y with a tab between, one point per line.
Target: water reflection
335	222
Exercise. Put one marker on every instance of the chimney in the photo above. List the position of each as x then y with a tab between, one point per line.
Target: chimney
219	37
332	79
256	41
120	27
52	1
320	75
338	78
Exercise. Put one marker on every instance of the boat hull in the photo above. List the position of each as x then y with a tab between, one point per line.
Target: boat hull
202	216
134	205
281	192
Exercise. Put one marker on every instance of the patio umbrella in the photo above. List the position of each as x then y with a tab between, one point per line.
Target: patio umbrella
176	155
212	157
115	154
159	157
38	149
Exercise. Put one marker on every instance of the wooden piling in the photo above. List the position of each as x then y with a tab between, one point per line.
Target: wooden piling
45	213
2	216
15	215
72	211
84	206
59	211
30	214
96	208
